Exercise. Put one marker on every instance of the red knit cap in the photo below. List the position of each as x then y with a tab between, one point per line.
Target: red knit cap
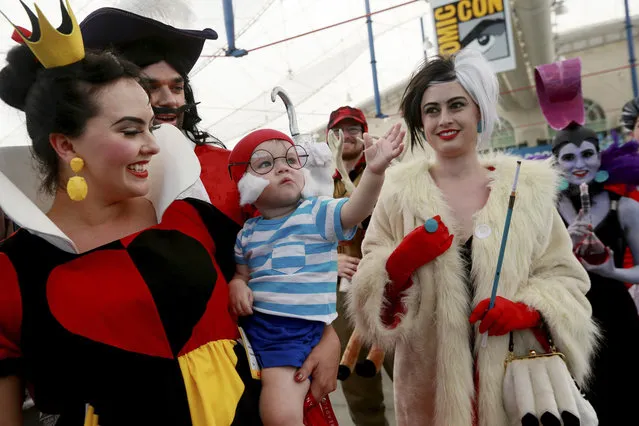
244	149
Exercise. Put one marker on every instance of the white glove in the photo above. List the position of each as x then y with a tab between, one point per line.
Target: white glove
319	168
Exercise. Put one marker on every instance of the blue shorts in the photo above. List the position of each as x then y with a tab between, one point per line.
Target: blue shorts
281	341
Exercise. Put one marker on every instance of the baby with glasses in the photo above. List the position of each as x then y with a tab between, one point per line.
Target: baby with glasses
284	287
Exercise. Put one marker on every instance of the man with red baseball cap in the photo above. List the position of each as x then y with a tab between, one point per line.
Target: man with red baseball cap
364	395
353	124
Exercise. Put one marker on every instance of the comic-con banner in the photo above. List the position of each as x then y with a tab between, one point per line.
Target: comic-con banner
483	25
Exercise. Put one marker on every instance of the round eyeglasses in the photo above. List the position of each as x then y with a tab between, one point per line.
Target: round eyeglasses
262	161
351	130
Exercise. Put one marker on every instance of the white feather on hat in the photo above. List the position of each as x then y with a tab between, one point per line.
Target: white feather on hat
176	13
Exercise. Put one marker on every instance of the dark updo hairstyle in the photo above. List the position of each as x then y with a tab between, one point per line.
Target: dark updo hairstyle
58	100
576	134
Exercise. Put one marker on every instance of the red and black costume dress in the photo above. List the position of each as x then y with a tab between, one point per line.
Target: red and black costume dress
138	328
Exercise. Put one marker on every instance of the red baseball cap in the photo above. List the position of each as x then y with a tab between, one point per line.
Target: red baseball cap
345	112
241	154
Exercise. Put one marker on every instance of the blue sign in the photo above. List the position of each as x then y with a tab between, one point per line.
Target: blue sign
529	151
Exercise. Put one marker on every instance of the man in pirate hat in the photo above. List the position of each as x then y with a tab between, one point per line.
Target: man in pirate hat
166	55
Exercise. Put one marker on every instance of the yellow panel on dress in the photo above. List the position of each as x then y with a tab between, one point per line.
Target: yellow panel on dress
90	418
213	385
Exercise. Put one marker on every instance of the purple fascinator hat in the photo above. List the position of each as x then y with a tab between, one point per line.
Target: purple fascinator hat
559	92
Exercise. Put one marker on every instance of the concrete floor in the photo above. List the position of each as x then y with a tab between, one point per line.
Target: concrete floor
341	409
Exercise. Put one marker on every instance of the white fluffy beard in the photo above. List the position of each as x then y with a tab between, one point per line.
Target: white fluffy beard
251	187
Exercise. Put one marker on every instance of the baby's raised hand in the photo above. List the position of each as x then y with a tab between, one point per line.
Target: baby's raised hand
379	155
240	298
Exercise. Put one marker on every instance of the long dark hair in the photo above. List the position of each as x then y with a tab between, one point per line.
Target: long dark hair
192	118
58	100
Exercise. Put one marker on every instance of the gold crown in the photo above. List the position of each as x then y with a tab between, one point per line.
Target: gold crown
53	47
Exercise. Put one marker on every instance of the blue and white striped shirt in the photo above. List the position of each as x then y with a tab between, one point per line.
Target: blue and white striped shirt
293	260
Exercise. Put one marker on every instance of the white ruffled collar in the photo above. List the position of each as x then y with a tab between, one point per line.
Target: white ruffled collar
171	172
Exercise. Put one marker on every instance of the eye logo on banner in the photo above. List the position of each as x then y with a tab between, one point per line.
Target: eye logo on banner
482	25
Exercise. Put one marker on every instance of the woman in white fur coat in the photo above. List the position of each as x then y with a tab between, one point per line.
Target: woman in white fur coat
443	377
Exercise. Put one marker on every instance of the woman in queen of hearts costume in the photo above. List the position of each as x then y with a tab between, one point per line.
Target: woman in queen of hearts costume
425	292
602	179
113	293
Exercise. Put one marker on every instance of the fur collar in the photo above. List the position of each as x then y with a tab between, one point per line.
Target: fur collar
413	188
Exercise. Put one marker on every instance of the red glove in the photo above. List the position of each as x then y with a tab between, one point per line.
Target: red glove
504	317
419	247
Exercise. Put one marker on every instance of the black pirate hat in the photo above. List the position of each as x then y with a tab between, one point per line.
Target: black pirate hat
142	40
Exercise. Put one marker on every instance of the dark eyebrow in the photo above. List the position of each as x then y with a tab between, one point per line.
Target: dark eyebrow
132	119
456	98
158	81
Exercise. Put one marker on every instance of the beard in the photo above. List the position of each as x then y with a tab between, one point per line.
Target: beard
352	155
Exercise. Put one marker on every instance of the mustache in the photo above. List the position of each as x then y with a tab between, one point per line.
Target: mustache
166	110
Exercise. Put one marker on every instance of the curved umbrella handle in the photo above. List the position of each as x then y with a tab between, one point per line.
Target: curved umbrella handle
290	109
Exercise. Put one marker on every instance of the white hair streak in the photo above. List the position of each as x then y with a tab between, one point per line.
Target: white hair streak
478	77
177	13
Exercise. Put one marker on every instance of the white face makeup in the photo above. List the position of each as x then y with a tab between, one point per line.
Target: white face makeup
579	164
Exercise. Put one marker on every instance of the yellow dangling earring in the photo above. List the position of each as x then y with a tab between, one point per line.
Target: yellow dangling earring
77	187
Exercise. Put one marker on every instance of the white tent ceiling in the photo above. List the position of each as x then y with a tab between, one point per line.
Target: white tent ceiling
320	71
